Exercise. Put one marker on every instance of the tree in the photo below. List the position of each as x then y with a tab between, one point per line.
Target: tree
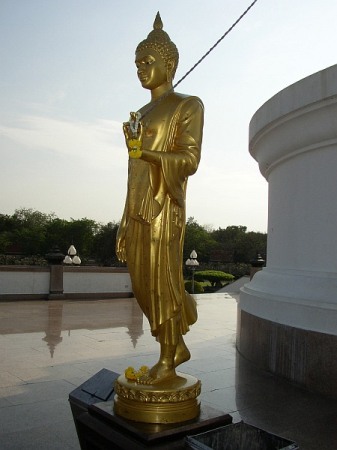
58	234
33	233
81	233
30	230
242	245
6	239
7	226
199	239
104	245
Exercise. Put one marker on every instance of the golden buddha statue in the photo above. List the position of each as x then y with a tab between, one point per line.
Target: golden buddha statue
164	144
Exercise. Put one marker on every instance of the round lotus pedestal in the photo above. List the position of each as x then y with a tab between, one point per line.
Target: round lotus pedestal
171	401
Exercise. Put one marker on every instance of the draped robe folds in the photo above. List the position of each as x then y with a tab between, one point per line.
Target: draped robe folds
153	223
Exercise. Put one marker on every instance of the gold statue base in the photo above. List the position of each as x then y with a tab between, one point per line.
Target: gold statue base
171	401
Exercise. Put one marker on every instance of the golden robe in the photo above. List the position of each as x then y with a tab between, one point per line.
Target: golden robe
154	219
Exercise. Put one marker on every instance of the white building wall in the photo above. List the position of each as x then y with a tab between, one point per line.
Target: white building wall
24	282
20	282
302	212
79	282
294	139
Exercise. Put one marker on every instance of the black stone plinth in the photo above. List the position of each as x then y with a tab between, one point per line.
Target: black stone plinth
101	429
98	427
98	388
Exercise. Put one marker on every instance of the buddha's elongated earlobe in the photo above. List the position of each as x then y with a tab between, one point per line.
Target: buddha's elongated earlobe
169	71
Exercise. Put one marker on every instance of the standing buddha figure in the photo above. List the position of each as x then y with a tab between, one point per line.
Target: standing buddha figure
164	144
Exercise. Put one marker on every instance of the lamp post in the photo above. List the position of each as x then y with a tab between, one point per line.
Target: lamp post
72	257
192	263
55	258
256	264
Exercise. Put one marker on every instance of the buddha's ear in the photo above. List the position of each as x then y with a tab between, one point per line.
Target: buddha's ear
170	66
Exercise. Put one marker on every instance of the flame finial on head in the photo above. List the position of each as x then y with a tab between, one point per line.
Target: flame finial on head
158	23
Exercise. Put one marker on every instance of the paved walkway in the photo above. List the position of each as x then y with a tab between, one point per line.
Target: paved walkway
234	288
49	348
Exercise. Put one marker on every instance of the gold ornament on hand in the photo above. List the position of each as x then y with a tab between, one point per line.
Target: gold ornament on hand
135	148
133	131
134	122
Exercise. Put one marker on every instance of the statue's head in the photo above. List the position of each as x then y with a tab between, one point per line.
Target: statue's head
160	41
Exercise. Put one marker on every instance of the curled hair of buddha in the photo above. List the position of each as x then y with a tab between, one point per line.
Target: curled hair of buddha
160	41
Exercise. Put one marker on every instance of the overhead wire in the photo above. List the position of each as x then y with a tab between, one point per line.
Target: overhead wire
156	102
215	45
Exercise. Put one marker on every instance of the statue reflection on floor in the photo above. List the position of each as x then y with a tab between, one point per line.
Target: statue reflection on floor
129	316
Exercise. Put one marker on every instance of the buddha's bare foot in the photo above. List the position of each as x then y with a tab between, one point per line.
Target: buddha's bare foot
182	353
158	373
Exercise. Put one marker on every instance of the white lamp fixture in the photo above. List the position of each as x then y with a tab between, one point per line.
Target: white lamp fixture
192	264
72	257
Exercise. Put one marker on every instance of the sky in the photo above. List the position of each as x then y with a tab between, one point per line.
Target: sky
68	82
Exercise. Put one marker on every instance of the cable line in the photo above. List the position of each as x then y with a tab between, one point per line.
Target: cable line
216	44
199	61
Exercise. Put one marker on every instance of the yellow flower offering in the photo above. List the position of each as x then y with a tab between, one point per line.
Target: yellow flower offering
130	374
144	370
133	375
135	148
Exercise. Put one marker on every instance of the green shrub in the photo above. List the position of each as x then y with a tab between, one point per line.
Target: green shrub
198	289
19	260
215	277
237	269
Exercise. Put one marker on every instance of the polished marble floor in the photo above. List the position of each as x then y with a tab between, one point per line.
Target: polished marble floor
47	349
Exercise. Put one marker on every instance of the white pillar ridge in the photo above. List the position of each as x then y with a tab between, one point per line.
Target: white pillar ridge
293	137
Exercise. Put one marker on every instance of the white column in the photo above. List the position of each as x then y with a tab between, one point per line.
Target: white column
294	139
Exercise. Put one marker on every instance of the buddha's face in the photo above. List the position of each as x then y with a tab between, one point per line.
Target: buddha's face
151	68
